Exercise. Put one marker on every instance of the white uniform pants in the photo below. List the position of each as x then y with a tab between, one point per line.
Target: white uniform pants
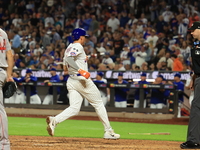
35	99
137	103
191	97
156	106
80	88
4	141
122	104
48	100
104	99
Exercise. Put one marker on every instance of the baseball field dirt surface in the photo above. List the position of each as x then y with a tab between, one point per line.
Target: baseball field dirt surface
63	143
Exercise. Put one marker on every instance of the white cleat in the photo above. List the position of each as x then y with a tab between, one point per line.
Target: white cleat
110	134
51	125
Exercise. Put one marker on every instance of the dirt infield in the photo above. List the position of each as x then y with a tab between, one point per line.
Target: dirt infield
60	143
63	143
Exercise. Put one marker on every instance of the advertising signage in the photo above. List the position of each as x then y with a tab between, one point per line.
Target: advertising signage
110	74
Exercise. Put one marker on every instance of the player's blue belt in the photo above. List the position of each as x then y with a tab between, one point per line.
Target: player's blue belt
74	75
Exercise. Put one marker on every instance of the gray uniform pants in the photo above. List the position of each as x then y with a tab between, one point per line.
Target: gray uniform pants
194	122
4	141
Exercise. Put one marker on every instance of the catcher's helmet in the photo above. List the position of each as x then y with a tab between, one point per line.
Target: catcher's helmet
76	33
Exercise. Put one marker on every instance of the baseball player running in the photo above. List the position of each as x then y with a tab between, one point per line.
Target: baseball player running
80	85
7	63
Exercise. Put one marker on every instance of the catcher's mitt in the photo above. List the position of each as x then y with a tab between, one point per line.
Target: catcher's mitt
9	89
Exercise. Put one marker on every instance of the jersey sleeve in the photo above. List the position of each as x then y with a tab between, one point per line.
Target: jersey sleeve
74	50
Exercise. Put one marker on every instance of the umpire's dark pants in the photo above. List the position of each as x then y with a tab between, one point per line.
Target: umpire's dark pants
194	122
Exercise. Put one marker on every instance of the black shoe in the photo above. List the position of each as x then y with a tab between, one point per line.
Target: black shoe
190	145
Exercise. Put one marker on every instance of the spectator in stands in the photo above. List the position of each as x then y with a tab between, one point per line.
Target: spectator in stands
94	26
152	40
124	55
16	42
167	59
107	60
54	78
118	43
45	38
132	20
161	42
56	38
177	65
140	55
113	22
124	19
160	24
137	92
121	93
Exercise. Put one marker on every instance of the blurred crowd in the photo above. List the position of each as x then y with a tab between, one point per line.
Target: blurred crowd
123	34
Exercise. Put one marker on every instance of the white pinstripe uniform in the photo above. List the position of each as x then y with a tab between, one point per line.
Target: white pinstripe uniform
4	47
79	87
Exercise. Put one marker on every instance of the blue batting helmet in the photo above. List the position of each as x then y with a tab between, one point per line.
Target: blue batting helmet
78	32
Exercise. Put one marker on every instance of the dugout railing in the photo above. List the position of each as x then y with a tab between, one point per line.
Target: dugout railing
172	107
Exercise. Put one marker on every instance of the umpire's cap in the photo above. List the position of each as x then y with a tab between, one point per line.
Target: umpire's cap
28	70
78	32
195	25
177	75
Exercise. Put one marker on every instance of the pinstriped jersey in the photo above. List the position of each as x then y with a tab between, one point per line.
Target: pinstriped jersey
4	47
76	51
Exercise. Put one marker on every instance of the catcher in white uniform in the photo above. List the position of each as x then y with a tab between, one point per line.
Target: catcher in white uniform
80	86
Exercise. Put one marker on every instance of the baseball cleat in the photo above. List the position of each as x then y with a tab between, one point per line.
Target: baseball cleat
51	125
190	145
110	134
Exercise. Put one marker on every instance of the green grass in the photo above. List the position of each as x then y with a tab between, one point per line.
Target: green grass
94	129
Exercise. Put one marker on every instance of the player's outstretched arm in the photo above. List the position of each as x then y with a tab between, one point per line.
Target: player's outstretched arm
72	63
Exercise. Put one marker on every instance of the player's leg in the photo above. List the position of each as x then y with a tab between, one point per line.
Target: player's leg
48	99
159	106
35	99
92	94
86	103
117	104
4	141
191	97
153	106
145	103
123	104
18	98
75	100
179	110
104	98
136	103
22	97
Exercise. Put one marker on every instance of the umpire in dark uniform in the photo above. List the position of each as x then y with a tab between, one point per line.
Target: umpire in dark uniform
193	136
